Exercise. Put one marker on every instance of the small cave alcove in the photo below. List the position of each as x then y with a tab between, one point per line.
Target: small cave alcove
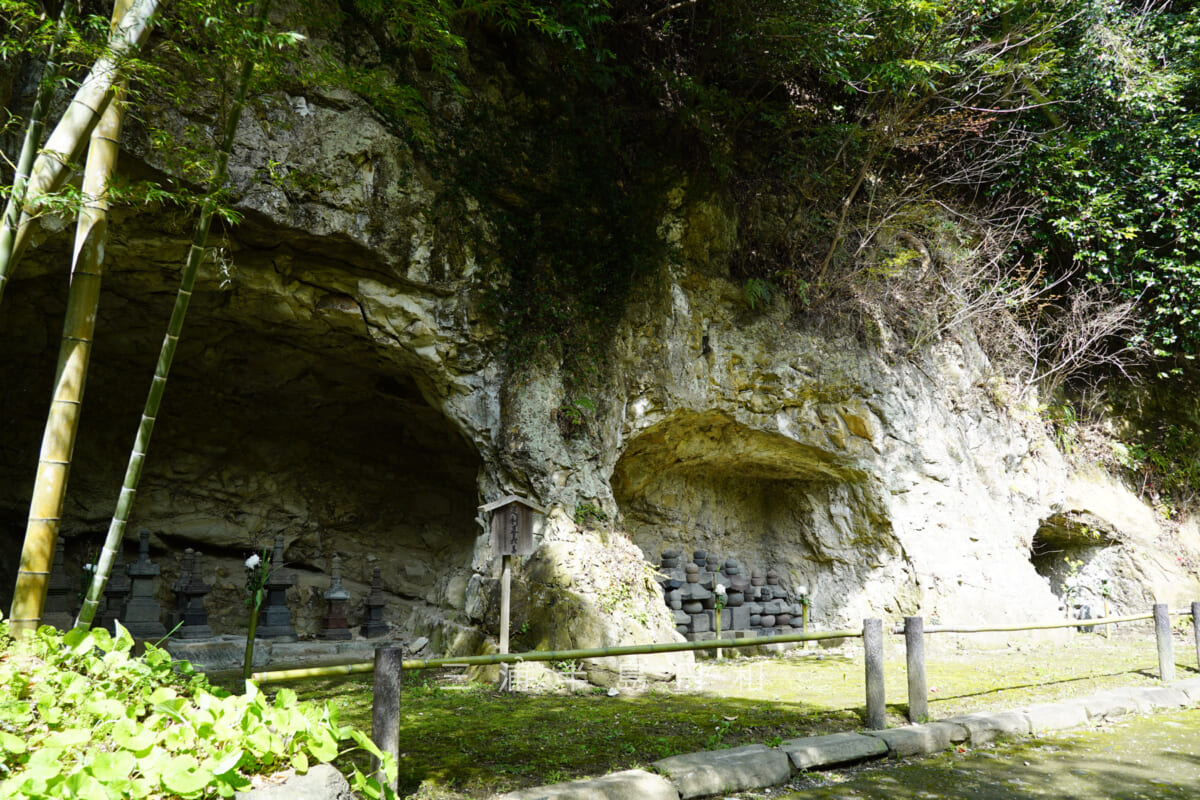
705	481
1081	561
320	435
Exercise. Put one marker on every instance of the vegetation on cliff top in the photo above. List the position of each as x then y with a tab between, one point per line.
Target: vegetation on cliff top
868	147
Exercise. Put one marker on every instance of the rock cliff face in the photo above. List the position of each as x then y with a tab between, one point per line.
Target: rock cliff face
340	382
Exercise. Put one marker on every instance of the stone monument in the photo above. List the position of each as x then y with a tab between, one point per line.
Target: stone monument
142	616
195	616
276	617
375	626
756	605
115	593
60	594
334	626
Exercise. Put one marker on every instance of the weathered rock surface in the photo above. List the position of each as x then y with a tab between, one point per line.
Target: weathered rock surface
342	383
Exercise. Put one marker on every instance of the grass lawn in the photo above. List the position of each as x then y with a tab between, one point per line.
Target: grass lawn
469	741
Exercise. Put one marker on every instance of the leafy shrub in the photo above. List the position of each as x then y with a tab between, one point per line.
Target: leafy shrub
82	717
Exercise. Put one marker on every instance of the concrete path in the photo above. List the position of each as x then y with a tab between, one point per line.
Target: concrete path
754	767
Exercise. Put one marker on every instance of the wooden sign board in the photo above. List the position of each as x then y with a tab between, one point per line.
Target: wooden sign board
512	525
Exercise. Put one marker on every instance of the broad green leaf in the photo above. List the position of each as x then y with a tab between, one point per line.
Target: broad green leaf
184	777
322	745
106	707
221	763
112	766
84	786
285	699
71	737
300	762
259	741
364	741
12	745
78	641
44	764
138	740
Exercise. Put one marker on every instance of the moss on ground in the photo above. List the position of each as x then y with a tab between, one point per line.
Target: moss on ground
468	741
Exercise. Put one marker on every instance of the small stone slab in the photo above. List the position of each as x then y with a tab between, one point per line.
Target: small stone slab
321	782
738	769
1119	702
1056	716
915	740
836	748
1162	697
1108	705
1190	687
953	731
633	784
983	727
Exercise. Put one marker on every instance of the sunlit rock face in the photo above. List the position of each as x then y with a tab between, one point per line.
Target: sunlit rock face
341	382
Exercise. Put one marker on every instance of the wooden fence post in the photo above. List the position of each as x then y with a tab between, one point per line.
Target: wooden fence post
1196	629
385	707
1162	633
914	648
873	650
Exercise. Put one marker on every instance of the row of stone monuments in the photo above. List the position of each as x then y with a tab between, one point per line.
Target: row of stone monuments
757	603
129	596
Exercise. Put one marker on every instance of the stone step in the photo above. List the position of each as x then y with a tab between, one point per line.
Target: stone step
1056	716
633	784
737	769
983	727
836	748
919	740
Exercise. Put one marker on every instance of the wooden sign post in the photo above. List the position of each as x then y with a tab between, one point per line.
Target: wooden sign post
512	535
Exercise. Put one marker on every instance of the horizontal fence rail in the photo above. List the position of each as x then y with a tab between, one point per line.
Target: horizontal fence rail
1041	626
277	676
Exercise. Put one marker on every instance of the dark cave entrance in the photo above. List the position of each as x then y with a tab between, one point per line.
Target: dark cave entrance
309	431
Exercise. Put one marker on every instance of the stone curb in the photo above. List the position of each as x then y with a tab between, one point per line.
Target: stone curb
633	784
757	766
738	769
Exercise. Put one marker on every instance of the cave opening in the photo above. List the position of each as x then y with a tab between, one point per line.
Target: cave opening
306	431
1078	561
704	481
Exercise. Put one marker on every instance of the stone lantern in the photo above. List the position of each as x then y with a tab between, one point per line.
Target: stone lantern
142	616
334	626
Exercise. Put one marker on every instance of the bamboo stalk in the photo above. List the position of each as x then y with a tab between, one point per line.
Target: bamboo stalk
70	136
558	655
1038	626
278	676
31	143
79	326
166	355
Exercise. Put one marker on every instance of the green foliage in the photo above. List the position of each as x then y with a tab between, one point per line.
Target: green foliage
588	513
757	292
1118	182
1165	463
81	717
574	199
719	727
